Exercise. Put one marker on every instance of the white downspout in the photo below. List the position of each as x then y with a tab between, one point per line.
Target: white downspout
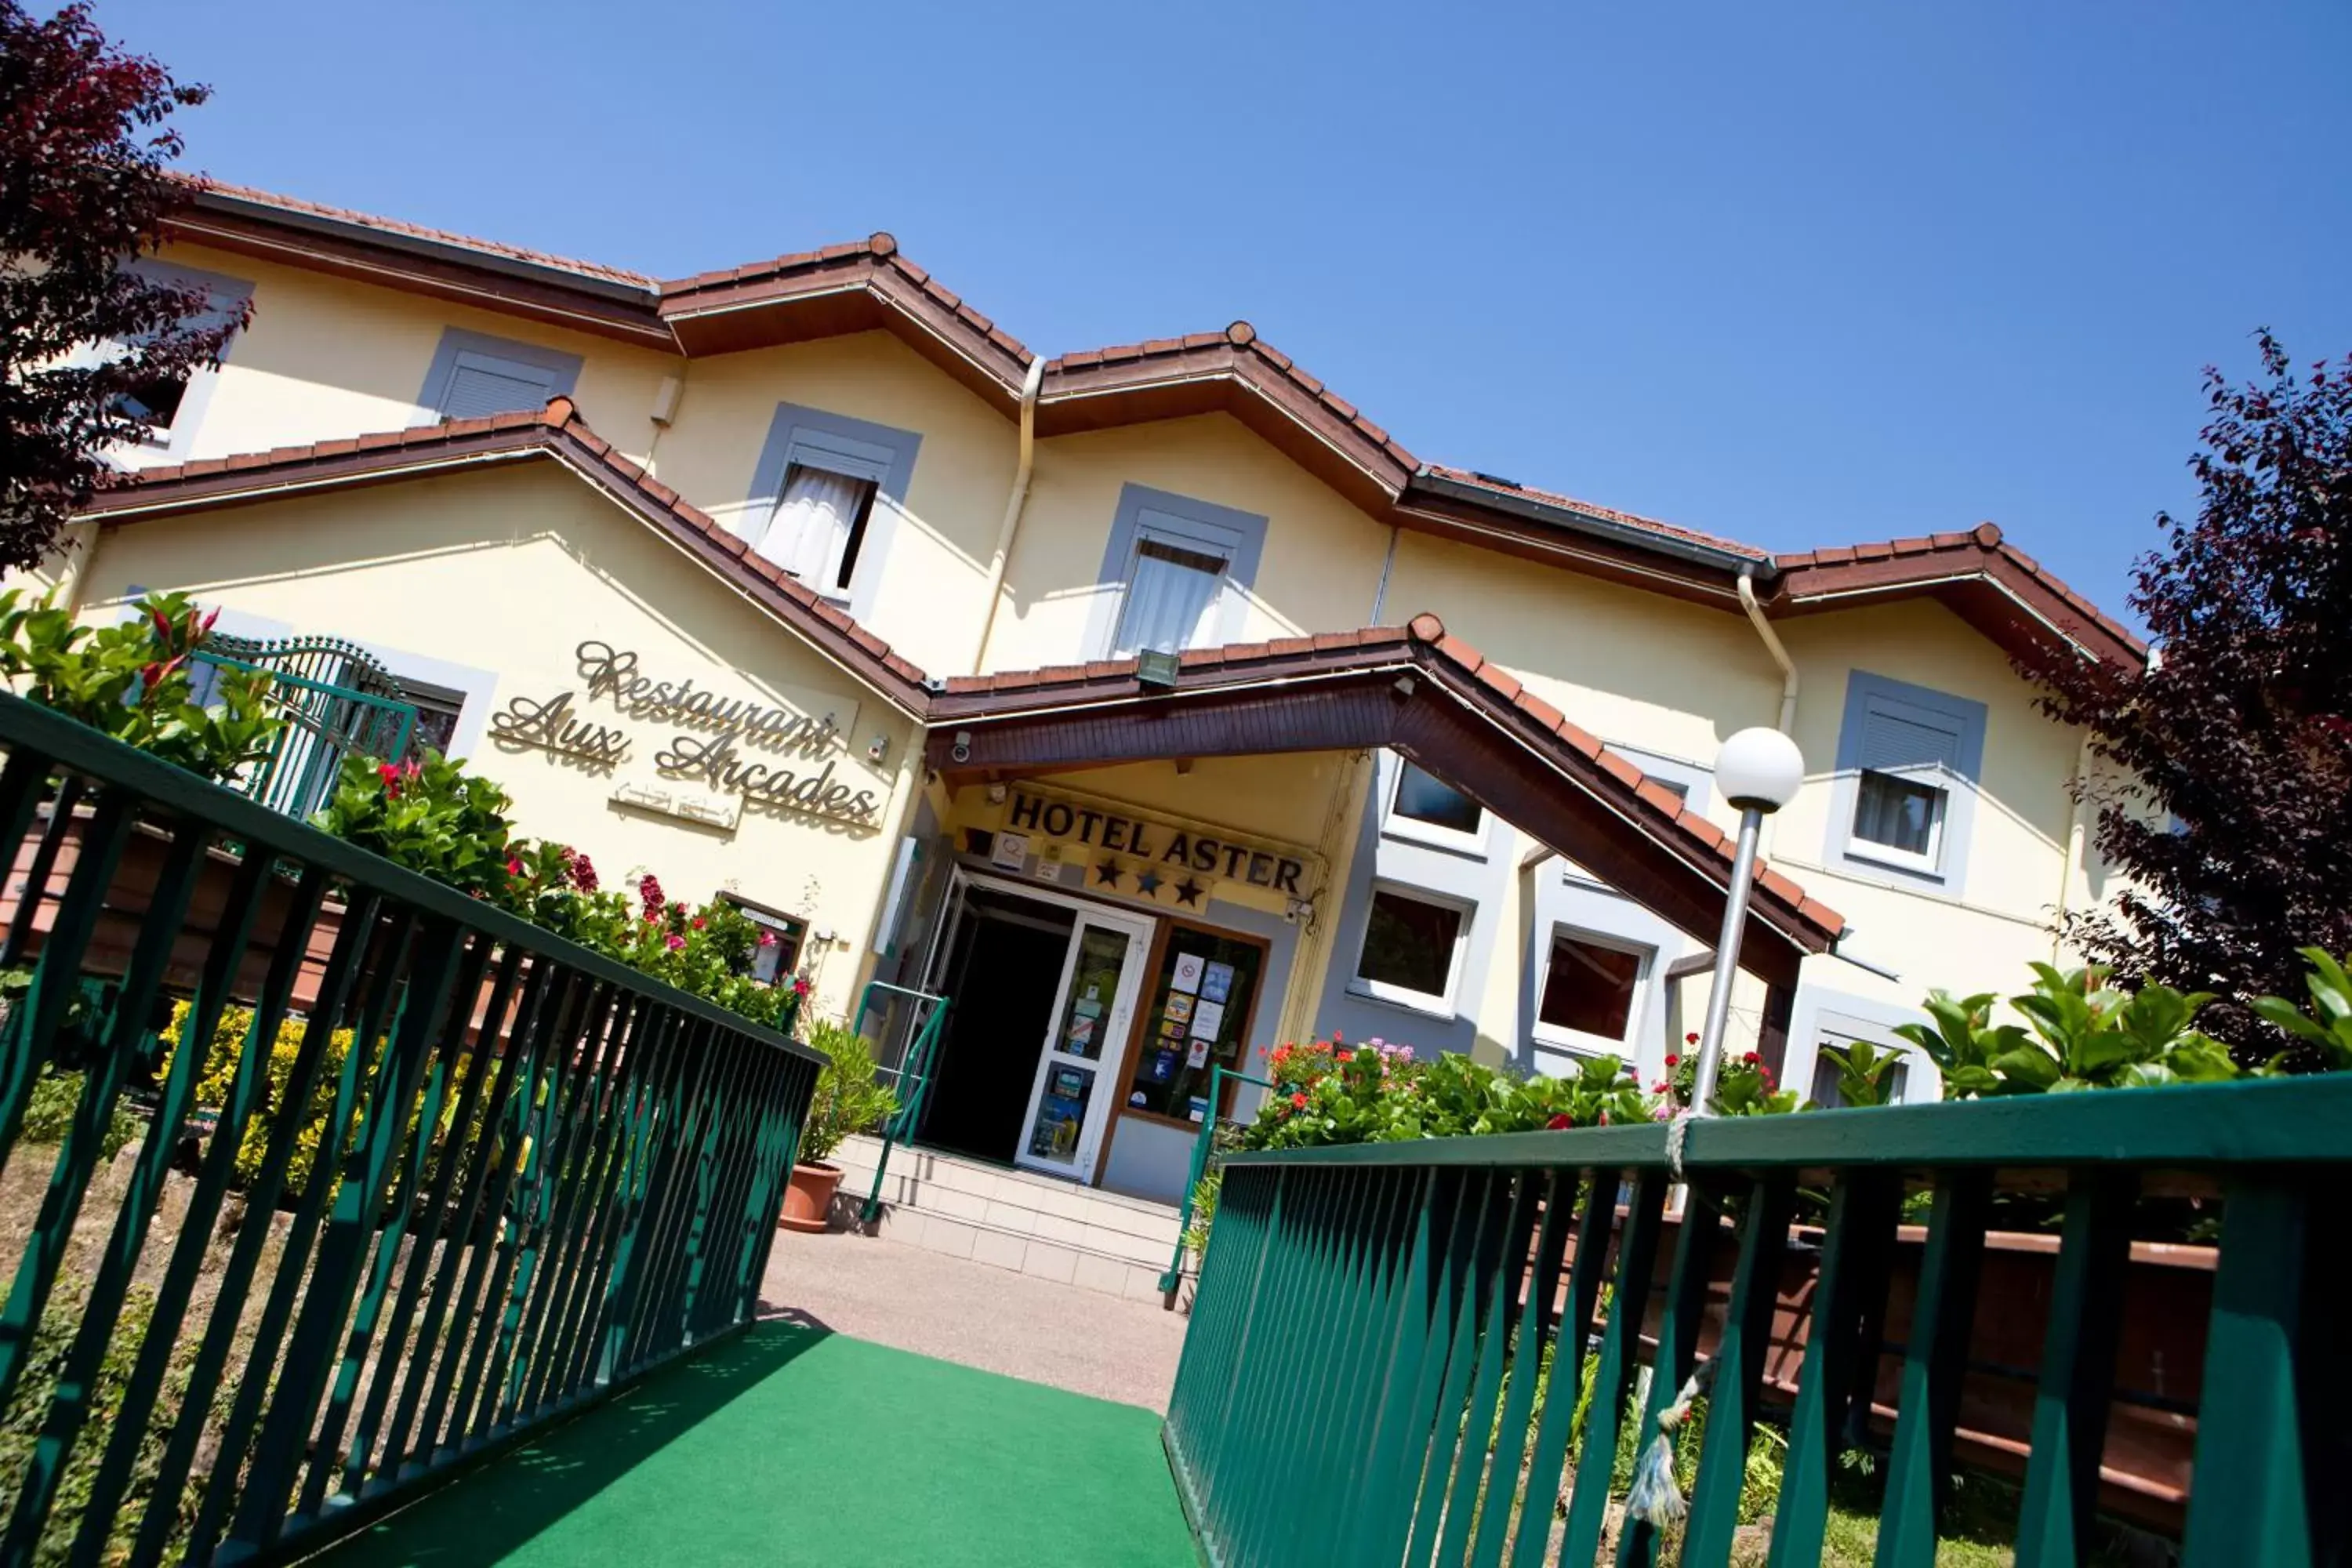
1772	646
1012	505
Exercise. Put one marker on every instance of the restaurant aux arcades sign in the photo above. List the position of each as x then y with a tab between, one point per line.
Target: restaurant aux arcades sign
719	756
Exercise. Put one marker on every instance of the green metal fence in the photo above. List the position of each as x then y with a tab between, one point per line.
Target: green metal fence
1360	1379
533	1174
323	722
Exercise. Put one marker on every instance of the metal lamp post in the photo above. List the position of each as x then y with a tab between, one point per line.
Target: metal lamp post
1759	771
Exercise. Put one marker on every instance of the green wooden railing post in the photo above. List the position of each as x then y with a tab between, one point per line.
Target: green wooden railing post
2078	1369
1856	1245
2253	1502
1548	1458
1935	1358
1738	1371
1637	1255
1696	1239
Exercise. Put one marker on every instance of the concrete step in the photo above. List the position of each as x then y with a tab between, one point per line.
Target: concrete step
1031	1224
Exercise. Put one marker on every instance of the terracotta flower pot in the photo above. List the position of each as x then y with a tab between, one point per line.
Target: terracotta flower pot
808	1199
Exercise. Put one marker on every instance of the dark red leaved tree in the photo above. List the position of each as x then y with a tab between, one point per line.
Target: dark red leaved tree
2238	837
92	353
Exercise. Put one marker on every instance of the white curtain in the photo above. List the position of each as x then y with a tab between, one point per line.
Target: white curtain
811	528
1171	601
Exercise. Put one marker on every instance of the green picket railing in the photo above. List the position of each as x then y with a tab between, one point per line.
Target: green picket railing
1359	1382
538	1174
1205	1150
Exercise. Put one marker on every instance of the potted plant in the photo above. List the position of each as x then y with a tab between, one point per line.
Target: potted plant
849	1098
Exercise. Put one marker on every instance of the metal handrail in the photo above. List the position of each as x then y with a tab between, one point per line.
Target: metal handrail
1406	1292
604	1156
1203	1147
917	1063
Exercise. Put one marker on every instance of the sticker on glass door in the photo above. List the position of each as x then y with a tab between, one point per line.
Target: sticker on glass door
1097	1001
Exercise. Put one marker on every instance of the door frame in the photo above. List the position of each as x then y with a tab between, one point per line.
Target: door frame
1142	931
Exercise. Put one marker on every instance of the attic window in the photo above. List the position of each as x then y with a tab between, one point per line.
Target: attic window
473	376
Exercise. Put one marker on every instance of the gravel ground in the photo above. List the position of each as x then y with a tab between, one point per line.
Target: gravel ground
976	1315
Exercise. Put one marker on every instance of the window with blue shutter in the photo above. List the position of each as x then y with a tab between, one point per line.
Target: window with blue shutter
1908	760
473	376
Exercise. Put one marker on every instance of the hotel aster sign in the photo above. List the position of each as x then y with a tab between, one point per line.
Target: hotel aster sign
718	731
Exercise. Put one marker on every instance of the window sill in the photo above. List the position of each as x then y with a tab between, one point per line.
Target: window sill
1893	871
1552	1037
1418	1004
1405	830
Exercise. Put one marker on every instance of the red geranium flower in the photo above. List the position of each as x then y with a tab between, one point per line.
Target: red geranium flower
1751	1058
1691	1038
1674	1061
675	942
1299	1100
1560	1122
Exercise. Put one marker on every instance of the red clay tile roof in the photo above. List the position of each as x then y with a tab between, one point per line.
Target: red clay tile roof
297	206
2025	608
1841	573
559	433
1606	514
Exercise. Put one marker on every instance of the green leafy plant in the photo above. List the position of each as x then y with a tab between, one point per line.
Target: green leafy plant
2091	1036
1327	1092
431	816
2327	1028
50	1114
134	681
1863	1072
850	1096
1743	1085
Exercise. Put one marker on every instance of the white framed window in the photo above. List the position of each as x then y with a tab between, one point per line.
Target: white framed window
1173	593
1414	942
473	376
1424	808
1908	759
1176	573
1594	991
819	526
171	407
824	500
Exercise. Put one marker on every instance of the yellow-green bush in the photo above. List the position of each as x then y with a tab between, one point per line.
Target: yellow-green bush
220	1073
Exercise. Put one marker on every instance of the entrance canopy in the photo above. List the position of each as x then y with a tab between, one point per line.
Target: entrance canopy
1417	691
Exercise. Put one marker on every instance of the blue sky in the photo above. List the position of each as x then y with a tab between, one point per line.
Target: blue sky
1794	274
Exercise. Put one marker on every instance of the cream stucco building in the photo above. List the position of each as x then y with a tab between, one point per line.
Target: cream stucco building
911	566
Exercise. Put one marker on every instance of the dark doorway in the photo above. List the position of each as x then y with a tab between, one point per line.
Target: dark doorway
1001	979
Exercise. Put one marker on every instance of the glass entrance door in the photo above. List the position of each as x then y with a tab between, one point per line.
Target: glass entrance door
1070	1102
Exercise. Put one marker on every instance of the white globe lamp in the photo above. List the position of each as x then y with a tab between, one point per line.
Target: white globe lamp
1759	770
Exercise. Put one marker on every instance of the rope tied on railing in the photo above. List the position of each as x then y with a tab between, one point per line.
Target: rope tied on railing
1655	1499
1678	1136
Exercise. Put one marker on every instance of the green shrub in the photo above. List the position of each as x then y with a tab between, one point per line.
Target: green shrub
134	681
849	1097
1379	1093
50	1114
20	1423
2091	1036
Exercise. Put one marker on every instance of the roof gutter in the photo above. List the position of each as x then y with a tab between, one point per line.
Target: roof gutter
643	296
1728	561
